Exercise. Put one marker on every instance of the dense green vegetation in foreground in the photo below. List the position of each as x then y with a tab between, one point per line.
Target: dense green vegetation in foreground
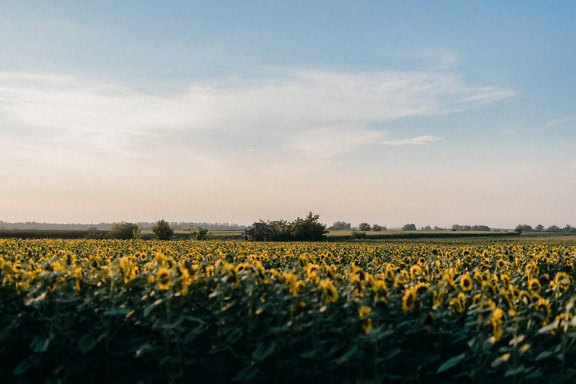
230	311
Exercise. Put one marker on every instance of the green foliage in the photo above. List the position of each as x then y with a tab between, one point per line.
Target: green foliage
364	227
340	225
162	230
307	229
409	227
260	231
199	233
125	231
523	228
377	228
358	235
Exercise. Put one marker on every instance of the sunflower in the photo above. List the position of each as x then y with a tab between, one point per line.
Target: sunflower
534	286
163	278
466	282
408	300
496	320
562	281
328	290
505	279
543	306
364	311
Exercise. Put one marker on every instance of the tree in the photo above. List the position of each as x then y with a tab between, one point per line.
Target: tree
427	228
553	228
376	228
124	231
308	229
162	230
364	227
259	231
539	228
358	235
523	228
409	227
199	233
341	225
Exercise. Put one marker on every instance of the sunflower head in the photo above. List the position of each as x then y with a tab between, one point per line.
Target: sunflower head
408	300
466	282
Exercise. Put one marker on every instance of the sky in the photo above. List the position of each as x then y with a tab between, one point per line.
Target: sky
387	112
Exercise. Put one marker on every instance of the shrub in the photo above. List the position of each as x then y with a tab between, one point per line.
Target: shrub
308	229
125	231
376	228
199	233
409	227
358	235
162	230
259	231
364	227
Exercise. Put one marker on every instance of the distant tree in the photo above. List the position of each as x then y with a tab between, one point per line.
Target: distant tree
341	225
568	228
259	231
523	228
199	233
364	227
539	228
376	228
358	235
124	231
456	227
427	228
162	230
282	230
553	228
409	227
308	229
437	228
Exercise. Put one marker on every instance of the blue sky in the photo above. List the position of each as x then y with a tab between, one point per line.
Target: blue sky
388	112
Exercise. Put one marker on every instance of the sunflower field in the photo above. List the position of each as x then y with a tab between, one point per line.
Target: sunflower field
230	311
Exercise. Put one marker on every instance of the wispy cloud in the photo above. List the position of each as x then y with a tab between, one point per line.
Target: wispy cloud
315	112
419	140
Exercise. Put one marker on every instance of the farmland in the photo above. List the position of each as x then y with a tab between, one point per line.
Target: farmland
220	311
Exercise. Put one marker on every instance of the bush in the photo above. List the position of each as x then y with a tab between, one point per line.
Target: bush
125	231
259	231
162	230
358	235
199	233
340	225
409	227
377	228
364	227
308	229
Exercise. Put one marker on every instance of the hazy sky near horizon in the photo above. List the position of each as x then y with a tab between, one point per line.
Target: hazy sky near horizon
431	113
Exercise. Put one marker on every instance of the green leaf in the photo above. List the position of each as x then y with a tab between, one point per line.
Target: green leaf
40	345
247	375
263	351
544	355
117	312
195	319
87	343
451	363
25	365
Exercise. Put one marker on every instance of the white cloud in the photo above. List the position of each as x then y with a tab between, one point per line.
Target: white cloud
414	140
315	112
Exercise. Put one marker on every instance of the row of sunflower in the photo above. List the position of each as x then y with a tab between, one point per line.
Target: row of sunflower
250	312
